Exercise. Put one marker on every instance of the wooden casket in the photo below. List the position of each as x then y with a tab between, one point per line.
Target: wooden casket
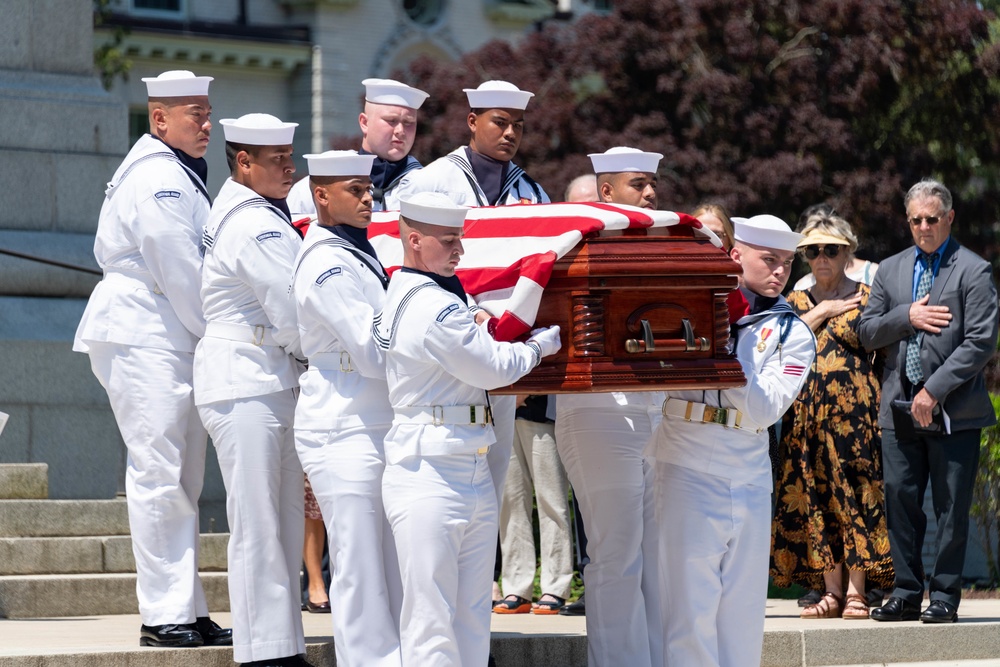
640	310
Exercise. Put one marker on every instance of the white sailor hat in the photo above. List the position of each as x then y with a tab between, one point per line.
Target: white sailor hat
767	231
177	83
432	208
623	159
388	91
258	129
339	163
498	95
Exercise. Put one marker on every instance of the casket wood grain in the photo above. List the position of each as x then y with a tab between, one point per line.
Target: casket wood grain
640	310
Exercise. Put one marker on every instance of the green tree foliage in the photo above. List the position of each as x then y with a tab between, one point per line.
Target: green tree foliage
766	105
109	59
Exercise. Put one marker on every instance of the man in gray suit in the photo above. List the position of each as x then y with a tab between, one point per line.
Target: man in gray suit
934	307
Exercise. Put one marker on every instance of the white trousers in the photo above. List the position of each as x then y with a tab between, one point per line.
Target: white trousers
536	471
715	539
266	509
602	451
345	470
152	398
443	513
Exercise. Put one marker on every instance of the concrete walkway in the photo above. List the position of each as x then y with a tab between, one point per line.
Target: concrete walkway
546	641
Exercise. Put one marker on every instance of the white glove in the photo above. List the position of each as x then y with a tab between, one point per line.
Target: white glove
546	340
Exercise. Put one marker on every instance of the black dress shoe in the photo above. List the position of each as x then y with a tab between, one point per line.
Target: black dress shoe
896	609
318	608
940	612
173	635
212	633
578	608
290	661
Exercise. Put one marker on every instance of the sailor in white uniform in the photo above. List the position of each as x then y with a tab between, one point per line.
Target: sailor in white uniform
245	376
140	329
343	412
388	128
713	474
601	440
437	489
484	174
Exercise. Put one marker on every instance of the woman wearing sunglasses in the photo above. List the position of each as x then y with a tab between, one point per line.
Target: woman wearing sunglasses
829	530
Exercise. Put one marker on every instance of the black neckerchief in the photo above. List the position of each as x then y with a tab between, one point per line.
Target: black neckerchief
198	165
385	172
282	205
355	236
489	173
449	284
758	303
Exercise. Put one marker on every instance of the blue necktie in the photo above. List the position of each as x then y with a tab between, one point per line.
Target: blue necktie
914	372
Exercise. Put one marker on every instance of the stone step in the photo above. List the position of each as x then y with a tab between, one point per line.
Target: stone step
91	555
24	481
57	518
46	596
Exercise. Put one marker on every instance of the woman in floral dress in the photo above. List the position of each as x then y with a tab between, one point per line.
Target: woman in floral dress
830	510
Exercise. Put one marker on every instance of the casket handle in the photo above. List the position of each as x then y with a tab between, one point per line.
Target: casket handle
690	342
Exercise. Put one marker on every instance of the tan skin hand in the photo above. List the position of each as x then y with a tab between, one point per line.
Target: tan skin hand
922	407
828	308
482	316
929	318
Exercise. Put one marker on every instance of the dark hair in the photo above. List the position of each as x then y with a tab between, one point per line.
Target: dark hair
233	149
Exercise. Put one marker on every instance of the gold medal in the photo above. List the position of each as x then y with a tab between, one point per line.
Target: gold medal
764	335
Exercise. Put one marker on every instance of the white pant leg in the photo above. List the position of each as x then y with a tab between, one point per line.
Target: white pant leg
552	497
265	505
503	408
602	453
443	514
151	395
714	544
744	579
345	469
517	540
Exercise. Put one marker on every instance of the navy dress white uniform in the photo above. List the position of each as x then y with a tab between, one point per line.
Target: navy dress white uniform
342	417
390	106
473	178
245	375
601	440
140	329
438	492
713	473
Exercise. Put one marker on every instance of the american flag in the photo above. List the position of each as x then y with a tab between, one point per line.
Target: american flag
510	250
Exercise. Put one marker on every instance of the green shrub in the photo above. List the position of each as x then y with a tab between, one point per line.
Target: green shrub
986	495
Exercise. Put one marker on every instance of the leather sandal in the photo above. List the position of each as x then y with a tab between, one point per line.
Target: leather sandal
829	606
512	604
856	607
548	607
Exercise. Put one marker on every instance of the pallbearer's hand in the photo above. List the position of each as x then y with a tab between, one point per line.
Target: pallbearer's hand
547	340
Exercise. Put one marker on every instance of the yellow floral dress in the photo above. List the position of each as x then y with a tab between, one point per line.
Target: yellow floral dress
830	506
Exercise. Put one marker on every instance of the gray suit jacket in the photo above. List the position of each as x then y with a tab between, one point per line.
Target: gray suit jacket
953	360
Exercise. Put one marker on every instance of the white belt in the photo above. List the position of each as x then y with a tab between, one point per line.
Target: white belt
705	414
332	361
464	415
125	276
256	334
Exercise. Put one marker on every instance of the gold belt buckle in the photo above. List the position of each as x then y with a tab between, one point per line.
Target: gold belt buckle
349	368
716	416
258	334
483	450
437	415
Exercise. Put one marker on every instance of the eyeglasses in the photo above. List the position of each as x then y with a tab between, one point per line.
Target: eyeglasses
813	251
930	220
